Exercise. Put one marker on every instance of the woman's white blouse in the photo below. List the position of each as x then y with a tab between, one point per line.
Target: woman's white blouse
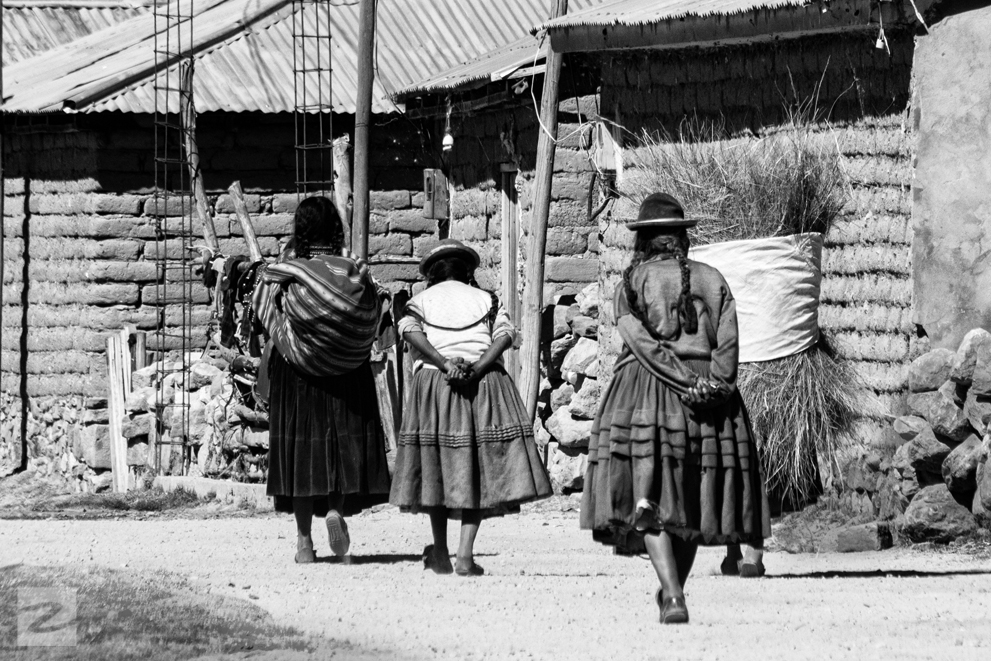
453	304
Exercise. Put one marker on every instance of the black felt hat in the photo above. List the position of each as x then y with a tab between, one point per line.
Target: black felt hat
661	210
449	248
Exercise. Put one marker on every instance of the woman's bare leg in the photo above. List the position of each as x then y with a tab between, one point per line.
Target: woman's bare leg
302	509
438	527
662	557
470	520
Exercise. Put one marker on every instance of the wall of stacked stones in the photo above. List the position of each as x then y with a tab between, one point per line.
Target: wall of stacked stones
863	94
80	228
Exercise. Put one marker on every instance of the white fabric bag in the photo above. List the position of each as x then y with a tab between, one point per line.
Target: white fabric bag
776	284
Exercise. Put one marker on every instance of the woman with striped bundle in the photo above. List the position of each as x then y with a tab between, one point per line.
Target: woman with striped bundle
321	311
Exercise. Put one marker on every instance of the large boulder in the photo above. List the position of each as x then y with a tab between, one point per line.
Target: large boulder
892	497
138	425
583	326
909	426
202	374
942	413
588	301
982	496
960	466
976	343
144	377
977	408
562	396
585	404
930	370
921	458
91	445
567	472
572	435
582	356
856	539
935	516
559	351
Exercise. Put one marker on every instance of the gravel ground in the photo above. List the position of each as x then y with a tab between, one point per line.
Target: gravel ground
549	591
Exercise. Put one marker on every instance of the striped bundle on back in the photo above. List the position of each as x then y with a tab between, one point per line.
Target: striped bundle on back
322	313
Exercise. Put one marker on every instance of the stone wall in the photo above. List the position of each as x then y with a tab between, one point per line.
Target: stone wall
867	290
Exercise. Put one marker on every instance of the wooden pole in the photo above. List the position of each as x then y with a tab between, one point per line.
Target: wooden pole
534	273
119	385
342	183
241	211
362	120
187	115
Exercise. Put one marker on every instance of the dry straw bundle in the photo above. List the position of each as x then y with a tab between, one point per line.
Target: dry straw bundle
804	407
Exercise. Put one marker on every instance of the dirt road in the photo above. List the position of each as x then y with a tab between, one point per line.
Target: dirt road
549	592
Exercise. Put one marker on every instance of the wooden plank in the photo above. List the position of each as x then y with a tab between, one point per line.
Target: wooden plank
342	183
119	386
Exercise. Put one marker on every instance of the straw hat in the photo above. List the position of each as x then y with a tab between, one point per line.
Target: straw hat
661	210
449	248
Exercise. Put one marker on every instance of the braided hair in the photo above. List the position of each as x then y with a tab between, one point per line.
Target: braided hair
654	242
455	268
317	228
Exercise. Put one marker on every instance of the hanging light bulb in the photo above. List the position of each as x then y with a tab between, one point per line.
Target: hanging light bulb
448	141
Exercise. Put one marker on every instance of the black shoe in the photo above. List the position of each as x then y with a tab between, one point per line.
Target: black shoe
673	610
437	565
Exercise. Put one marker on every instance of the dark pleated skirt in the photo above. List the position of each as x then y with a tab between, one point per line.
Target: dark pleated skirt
467	449
699	470
325	439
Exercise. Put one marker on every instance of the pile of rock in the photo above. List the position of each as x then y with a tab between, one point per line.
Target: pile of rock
569	392
938	485
193	404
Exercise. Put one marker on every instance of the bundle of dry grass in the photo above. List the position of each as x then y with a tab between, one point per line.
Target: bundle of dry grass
803	407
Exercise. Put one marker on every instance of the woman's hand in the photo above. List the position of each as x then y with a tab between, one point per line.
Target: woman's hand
705	393
456	370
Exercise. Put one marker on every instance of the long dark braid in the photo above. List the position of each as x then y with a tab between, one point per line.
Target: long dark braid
653	242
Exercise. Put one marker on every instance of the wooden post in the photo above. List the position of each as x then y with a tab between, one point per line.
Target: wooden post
342	183
140	350
119	387
534	274
362	119
187	116
241	211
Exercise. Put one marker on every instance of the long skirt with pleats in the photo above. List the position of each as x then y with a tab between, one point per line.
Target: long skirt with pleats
698	470
325	439
466	448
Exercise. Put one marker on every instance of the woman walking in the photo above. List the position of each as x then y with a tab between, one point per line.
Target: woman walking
672	461
326	445
466	450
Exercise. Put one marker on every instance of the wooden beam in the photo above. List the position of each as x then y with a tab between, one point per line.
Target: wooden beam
746	27
187	117
241	211
119	387
362	121
537	241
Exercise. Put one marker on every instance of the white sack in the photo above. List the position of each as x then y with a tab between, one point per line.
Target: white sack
776	286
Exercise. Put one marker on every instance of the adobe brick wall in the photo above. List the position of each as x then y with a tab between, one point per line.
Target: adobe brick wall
867	291
484	142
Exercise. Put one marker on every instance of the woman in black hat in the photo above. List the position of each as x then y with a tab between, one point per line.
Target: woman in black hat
466	450
672	461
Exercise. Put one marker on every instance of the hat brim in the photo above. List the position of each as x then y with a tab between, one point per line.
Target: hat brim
661	222
465	253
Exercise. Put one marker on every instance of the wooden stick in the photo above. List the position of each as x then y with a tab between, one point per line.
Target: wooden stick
140	350
187	117
342	183
362	120
534	279
241	211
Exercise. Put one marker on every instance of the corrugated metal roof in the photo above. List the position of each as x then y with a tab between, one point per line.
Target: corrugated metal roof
492	65
646	12
31	27
244	55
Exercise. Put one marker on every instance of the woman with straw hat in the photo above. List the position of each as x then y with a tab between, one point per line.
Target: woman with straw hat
466	449
672	460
